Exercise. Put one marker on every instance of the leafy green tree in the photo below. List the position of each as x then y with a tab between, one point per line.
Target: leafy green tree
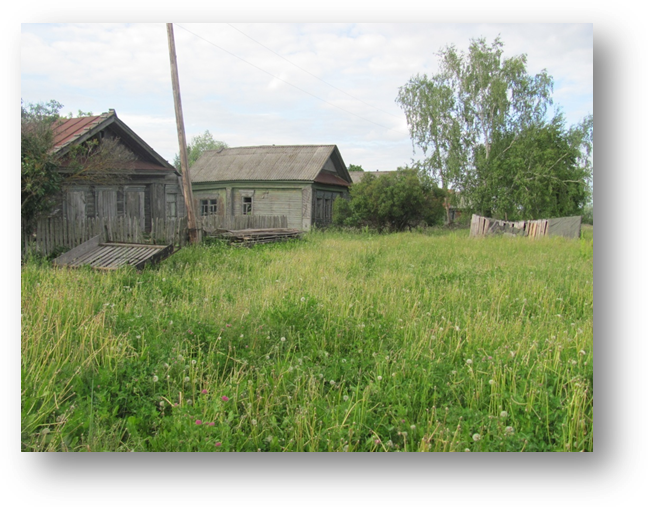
355	168
197	146
477	116
391	202
39	179
540	174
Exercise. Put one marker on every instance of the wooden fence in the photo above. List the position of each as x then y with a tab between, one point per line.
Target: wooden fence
482	226
213	223
53	234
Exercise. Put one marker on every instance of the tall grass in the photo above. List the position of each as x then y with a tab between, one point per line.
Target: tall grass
338	342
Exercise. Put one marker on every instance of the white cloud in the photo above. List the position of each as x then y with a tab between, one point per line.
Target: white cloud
245	94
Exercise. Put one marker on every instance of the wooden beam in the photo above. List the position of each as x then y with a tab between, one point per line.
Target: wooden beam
182	140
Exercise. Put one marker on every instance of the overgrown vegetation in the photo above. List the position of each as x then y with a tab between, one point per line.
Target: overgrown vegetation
339	342
483	126
394	202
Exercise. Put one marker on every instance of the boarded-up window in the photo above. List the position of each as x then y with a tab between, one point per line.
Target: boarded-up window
134	203
107	203
76	206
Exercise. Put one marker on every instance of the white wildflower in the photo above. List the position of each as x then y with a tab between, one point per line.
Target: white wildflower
476	437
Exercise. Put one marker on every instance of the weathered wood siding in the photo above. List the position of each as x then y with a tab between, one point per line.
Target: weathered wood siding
218	194
274	202
322	202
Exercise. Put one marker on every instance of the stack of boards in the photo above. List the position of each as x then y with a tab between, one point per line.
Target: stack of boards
249	237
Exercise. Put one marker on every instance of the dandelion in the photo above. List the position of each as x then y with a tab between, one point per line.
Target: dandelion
283	338
509	430
345	398
303	299
491	382
332	382
413	427
379	377
476	437
186	379
503	414
155	379
189	402
466	450
468	361
224	398
254	422
193	361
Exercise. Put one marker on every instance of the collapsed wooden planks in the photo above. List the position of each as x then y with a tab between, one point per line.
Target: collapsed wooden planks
111	256
250	237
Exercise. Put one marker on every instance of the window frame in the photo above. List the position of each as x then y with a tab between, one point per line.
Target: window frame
208	207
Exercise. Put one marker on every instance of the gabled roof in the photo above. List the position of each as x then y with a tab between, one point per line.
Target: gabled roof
272	163
73	131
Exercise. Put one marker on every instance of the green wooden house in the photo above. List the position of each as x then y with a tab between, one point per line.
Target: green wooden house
299	182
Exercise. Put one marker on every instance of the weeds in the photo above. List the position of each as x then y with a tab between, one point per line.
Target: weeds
340	342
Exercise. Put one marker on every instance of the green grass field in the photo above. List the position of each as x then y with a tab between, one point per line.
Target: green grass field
338	342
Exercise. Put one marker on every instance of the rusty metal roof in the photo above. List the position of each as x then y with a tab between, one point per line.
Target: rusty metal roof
270	163
68	132
331	179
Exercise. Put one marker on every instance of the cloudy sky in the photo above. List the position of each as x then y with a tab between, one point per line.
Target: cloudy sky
280	83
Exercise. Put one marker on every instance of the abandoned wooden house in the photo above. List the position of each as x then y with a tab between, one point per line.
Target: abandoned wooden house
146	187
299	182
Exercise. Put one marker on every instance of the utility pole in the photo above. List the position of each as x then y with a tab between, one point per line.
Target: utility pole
182	140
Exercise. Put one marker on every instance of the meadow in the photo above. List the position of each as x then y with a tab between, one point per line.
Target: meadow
418	341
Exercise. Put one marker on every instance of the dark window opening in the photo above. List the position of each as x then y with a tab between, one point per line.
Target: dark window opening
247	205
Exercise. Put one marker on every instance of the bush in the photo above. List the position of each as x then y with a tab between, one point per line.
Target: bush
393	202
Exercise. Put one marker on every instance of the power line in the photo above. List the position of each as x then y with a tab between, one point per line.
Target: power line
311	74
283	80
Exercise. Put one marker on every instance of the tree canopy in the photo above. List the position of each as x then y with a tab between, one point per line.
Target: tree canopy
481	122
391	202
197	146
355	168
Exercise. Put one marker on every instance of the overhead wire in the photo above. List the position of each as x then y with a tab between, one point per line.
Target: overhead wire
280	79
310	73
